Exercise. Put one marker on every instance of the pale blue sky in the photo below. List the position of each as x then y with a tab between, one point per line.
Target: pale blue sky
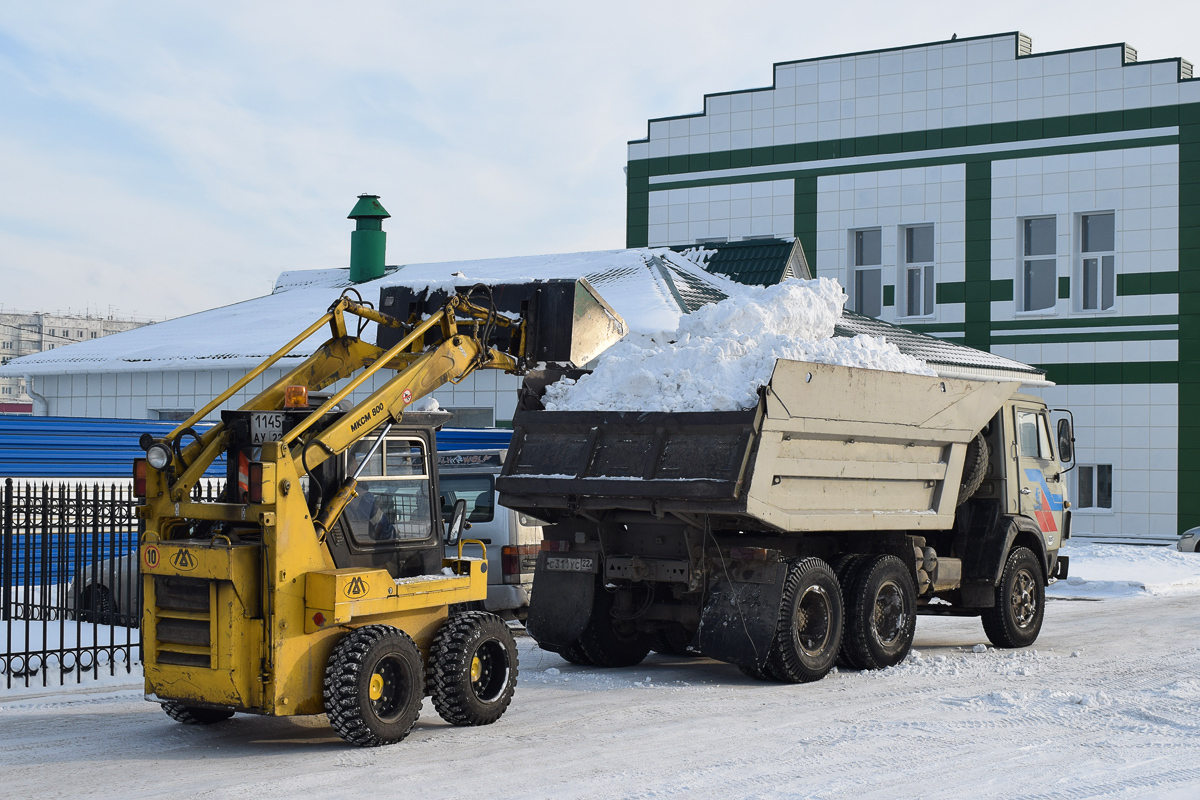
165	158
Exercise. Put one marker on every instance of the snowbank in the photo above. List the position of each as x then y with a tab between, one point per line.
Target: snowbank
1100	571
721	353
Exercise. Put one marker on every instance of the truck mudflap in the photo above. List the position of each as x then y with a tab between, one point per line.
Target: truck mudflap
738	621
560	605
987	551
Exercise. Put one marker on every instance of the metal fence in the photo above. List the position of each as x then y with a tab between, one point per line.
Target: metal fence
70	596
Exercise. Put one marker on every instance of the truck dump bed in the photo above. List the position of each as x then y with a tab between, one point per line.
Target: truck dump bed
828	448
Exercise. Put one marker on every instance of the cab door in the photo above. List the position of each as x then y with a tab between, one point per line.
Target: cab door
1039	476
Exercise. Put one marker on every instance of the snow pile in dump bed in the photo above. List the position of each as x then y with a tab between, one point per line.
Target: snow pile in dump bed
724	351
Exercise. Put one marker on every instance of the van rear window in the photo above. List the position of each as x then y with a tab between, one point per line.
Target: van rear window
478	490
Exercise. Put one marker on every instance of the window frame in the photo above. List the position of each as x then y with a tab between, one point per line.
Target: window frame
1021	284
1081	256
1094	481
927	273
855	268
361	543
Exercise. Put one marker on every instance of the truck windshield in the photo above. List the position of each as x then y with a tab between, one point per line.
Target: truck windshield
393	494
477	490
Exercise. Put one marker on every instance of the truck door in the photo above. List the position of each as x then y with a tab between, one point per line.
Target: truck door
1039	476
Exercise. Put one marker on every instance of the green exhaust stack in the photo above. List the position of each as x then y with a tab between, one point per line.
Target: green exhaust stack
368	242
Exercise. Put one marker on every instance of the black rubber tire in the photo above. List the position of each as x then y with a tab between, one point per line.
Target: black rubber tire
881	613
1016	618
974	468
472	669
809	631
612	643
574	654
194	715
673	640
846	568
97	605
376	658
754	672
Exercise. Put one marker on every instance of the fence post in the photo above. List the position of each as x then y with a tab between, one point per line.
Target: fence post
5	557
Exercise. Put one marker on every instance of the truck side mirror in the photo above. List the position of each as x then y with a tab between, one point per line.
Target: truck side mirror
1066	440
458	522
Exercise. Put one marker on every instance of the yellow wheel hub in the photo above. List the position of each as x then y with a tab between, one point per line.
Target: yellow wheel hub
376	690
476	668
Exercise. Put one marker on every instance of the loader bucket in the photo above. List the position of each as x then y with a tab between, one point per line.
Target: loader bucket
566	321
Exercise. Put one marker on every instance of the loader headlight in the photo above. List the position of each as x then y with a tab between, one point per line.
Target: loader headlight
158	456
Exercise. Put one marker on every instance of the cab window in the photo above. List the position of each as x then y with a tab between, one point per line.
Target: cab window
477	490
1033	437
393	503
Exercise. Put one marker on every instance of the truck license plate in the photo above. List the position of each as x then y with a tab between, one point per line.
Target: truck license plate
266	426
580	564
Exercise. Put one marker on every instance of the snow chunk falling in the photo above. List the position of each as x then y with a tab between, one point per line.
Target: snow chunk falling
724	351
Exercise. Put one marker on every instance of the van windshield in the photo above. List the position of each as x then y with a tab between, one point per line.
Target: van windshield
477	490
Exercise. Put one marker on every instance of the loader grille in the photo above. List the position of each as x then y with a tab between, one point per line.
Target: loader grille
183	631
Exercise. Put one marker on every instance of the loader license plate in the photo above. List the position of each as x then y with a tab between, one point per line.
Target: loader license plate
266	426
580	564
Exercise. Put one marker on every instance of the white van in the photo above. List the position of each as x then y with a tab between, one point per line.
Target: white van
512	539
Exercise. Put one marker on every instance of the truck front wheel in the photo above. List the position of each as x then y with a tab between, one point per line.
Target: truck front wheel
611	642
1016	618
809	631
881	614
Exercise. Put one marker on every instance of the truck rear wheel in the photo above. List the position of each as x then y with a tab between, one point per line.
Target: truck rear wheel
845	567
609	642
881	613
1016	618
574	654
472	669
194	715
809	631
374	686
673	640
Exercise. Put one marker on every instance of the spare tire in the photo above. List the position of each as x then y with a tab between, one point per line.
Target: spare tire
974	468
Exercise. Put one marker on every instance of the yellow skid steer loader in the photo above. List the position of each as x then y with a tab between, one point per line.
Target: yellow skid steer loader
317	581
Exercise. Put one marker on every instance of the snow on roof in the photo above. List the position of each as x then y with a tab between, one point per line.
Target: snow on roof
650	287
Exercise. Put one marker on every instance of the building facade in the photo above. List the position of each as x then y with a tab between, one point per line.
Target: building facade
1044	207
23	334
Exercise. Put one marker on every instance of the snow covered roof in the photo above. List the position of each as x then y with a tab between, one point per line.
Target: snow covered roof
650	287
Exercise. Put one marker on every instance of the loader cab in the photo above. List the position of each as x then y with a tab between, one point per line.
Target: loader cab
394	523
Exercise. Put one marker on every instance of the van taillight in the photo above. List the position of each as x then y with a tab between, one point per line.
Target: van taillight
513	560
139	477
255	476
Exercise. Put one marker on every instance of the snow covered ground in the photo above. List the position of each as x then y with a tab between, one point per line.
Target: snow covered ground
1105	705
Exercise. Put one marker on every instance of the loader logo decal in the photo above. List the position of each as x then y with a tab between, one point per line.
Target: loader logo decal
356	588
1044	503
183	561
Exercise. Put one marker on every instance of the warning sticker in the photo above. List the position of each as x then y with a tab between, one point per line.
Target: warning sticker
407	396
150	556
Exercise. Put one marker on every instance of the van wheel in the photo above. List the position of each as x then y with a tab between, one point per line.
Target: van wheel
374	686
1016	618
472	669
881	614
194	715
609	642
809	631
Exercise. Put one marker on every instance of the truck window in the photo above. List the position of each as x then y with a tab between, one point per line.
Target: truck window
477	490
393	495
1033	437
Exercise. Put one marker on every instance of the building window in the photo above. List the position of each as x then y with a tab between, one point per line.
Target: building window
172	414
6	390
79	334
6	346
918	270
1039	267
1097	278
93	334
1095	488
52	331
868	273
471	417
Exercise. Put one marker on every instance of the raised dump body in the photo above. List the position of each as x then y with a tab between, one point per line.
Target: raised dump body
829	448
808	530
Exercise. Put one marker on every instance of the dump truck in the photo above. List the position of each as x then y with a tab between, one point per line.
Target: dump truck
318	581
806	531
